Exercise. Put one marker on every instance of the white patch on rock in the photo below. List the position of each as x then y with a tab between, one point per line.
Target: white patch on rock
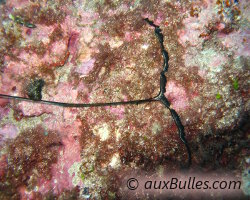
102	131
87	35
74	172
156	128
117	134
145	46
115	42
115	161
209	61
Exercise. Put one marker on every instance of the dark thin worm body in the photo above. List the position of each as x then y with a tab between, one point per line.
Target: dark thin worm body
160	97
163	81
78	105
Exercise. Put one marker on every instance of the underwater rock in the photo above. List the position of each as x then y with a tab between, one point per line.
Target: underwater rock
104	51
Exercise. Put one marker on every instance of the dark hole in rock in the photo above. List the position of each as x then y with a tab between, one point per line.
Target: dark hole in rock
2	2
34	89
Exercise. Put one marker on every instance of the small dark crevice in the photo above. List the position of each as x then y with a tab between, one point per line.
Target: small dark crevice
34	89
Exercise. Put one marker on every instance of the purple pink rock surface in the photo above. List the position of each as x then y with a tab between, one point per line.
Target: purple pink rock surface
103	51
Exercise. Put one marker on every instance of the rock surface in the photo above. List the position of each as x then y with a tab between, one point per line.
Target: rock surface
103	51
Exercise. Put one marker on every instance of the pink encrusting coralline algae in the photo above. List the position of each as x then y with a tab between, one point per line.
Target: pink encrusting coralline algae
76	51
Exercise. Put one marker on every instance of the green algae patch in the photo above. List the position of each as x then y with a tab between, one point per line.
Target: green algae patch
21	21
218	96
235	84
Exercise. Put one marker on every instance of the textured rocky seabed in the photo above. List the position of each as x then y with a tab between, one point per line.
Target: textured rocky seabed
78	51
